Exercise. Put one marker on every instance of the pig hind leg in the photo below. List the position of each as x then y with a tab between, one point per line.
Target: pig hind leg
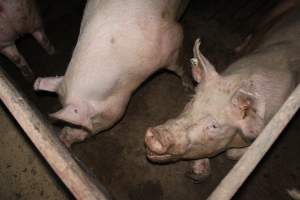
200	170
14	55
43	40
185	78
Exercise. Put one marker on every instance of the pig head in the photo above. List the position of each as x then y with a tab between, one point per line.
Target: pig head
224	113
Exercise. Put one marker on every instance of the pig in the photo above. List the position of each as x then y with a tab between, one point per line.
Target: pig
120	44
18	17
230	109
272	17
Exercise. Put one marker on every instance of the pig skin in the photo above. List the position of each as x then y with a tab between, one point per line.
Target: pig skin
119	46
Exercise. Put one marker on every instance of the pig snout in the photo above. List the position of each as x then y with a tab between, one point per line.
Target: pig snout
154	143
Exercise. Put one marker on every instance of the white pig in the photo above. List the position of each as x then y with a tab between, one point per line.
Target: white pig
120	44
230	109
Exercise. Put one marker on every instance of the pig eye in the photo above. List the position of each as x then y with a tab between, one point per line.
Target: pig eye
213	126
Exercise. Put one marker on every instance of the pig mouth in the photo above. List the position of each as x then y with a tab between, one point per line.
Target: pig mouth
152	156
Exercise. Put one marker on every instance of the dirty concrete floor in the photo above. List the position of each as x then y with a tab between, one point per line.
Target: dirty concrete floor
117	156
24	175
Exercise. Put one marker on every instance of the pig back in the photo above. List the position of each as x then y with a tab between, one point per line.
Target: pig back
286	30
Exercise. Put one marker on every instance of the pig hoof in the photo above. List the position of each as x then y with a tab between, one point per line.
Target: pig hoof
66	137
200	170
71	135
197	178
28	74
51	50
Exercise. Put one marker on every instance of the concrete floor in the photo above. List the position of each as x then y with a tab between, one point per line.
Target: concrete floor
117	156
24	174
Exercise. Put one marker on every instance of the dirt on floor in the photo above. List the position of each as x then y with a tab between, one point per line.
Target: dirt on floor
117	156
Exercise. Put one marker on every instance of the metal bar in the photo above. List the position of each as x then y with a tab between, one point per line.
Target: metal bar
243	168
43	137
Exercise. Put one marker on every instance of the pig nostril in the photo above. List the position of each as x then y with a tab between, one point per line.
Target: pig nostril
153	143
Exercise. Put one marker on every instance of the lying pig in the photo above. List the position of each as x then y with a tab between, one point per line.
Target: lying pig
19	17
120	44
229	110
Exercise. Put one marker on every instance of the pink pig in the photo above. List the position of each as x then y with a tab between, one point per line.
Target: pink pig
229	110
121	43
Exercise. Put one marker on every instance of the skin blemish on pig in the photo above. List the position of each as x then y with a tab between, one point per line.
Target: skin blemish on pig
112	40
75	110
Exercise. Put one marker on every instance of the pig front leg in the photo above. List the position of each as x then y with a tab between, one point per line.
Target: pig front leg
70	135
14	55
200	170
236	154
43	40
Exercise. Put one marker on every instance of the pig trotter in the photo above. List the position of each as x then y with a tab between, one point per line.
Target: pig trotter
200	170
42	39
27	73
14	55
70	135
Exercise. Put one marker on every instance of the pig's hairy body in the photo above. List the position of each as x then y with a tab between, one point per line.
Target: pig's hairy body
120	44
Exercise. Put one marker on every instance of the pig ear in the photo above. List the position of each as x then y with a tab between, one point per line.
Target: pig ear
201	67
74	115
250	113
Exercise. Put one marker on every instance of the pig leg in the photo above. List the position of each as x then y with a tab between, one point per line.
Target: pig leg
236	154
200	170
42	39
70	135
50	84
179	71
14	55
